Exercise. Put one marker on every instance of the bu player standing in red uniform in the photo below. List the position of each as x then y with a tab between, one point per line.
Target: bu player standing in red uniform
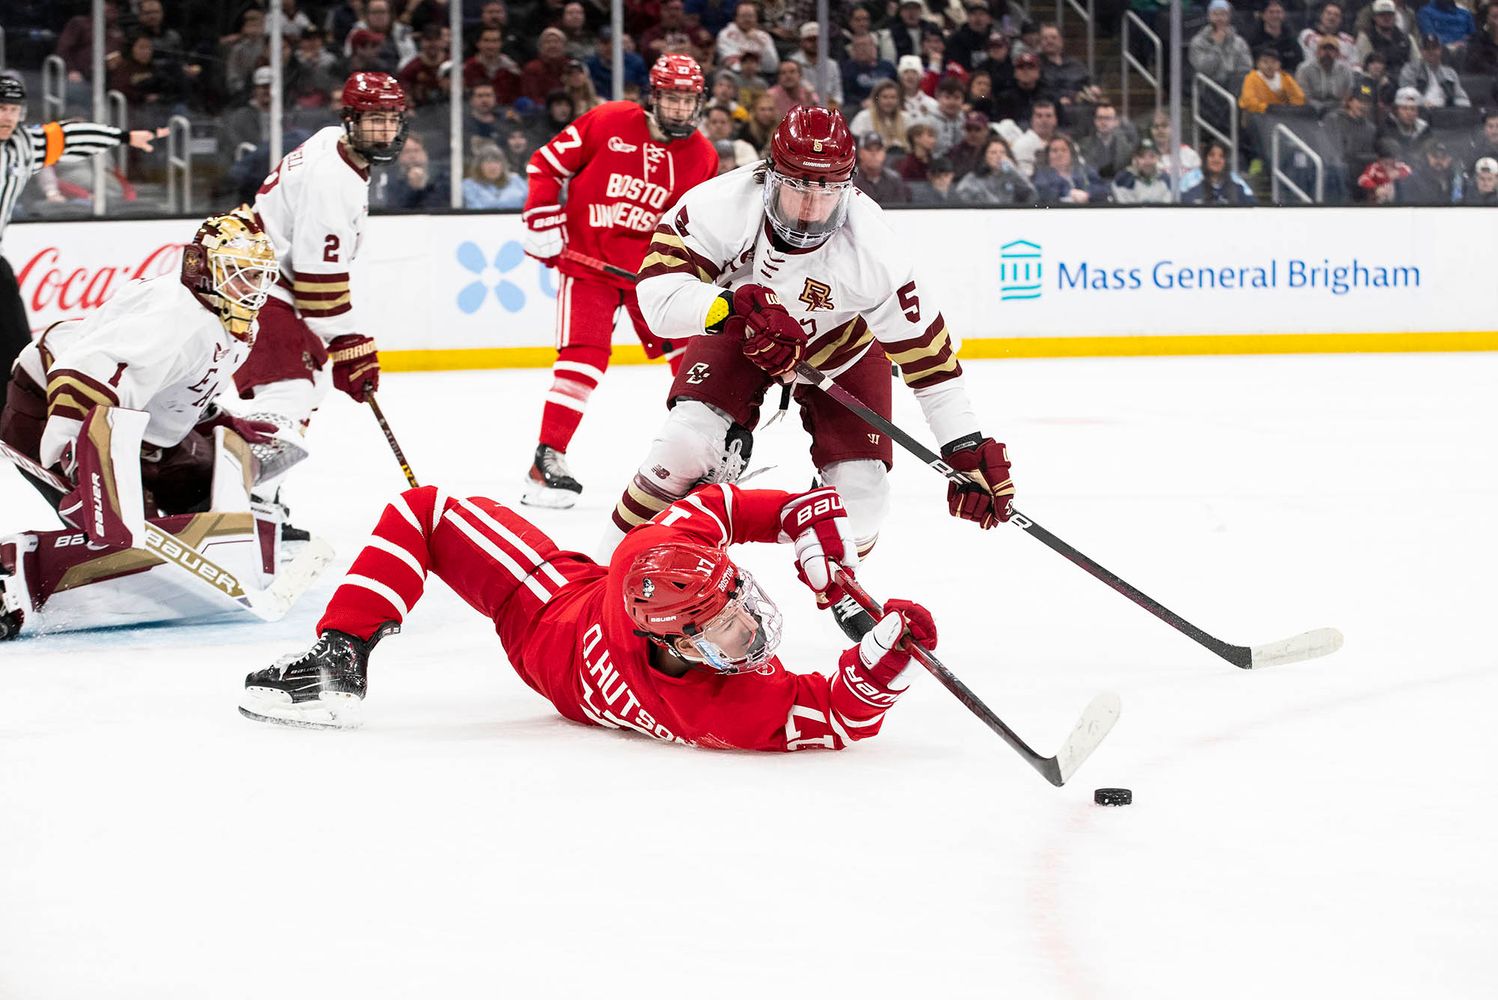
623	167
671	639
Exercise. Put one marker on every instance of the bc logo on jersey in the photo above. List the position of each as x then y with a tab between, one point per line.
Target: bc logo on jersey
698	373
816	295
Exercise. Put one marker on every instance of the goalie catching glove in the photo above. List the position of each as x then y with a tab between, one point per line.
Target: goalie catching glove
768	335
988	499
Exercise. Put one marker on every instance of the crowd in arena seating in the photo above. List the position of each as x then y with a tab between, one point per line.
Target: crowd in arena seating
952	102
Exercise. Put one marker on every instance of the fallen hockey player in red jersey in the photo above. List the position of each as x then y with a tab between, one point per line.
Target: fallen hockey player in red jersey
671	639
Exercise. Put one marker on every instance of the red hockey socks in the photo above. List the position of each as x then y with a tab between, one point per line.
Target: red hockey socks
388	577
575	375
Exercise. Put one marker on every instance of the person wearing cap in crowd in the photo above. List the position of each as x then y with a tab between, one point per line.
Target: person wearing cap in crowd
1028	40
1385	36
875	179
1379	179
1110	147
1350	135
543	74
1483	189
1403	124
1014	104
1435	178
1266	86
1329	22
903	35
1404	18
577	83
825	76
1326	80
1143	182
1449	23
916	102
250	122
1438	84
1217	51
1271	30
745	35
939	187
790	90
969	44
968	153
996	60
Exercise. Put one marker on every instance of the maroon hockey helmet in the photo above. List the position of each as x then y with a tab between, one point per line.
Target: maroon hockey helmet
676	74
810	179
364	93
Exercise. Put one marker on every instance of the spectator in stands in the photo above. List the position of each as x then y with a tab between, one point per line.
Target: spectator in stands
862	69
712	15
490	65
1350	135
1271	31
1385	36
1190	160
980	93
860	22
920	140
968	45
151	86
745	35
1029	39
718	125
1326	80
1381	176
949	120
166	42
1482	47
725	95
1064	179
1404	124
1483	190
601	64
419	77
1404	18
1067	79
559	113
75	44
1438	84
903	36
1143	183
1448	22
995	179
790	90
1110	147
490	186
543	74
1218	52
1015	104
1376	75
968	153
1267	87
517	148
938	186
370	52
574	24
763	118
1029	147
397	38
1435	178
1218	185
916	103
934	60
248	124
669	32
1484	143
875	179
1329	22
578	84
315	71
415	185
243	51
483	122
996	61
883	115
826	74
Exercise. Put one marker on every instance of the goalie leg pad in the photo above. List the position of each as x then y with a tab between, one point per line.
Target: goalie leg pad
864	486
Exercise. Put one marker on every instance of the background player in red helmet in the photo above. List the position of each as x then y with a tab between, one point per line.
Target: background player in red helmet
622	167
313	206
777	263
671	639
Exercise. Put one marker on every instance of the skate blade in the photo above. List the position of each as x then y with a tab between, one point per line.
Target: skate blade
548	497
331	711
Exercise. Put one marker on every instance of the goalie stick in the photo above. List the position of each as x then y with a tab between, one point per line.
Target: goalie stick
270	605
1097	719
1305	646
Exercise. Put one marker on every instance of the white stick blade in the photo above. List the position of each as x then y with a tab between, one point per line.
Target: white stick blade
1306	646
293	579
1089	731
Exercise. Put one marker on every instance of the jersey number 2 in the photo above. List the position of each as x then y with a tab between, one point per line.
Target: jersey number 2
330	249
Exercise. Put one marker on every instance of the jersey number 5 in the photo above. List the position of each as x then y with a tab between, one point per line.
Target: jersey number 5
909	303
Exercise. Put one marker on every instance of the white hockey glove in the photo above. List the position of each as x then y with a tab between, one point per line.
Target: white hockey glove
545	233
817	524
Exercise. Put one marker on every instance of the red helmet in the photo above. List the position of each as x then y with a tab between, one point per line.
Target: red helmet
677	72
678	587
813	144
373	92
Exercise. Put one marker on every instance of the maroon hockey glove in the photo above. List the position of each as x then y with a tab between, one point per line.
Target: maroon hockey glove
253	431
355	363
874	669
817	524
988	498
771	338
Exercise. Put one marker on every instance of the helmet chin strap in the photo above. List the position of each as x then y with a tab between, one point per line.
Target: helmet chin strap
380	153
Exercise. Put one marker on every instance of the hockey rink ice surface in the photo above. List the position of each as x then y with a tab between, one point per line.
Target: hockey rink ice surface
1324	829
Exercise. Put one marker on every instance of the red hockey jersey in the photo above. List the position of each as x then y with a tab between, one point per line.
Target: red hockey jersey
584	656
619	182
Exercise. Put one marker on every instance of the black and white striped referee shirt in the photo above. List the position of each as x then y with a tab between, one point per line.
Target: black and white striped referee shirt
32	147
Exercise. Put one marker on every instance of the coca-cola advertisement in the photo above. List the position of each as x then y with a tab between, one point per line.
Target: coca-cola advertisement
66	271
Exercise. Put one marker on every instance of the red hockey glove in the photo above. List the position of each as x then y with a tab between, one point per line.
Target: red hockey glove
988	498
253	431
771	338
817	523
874	670
545	237
356	361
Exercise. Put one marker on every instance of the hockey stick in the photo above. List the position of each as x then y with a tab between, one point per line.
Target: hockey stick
271	604
1305	646
400	456
1097	719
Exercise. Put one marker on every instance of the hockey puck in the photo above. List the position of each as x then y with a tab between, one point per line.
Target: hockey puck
1112	796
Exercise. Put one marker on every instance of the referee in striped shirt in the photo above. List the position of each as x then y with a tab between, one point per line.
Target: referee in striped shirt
23	151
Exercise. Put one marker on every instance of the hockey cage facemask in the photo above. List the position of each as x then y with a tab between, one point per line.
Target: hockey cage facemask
742	637
805	213
354	124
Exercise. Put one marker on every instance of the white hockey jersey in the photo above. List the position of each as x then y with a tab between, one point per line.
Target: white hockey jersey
152	347
313	207
858	288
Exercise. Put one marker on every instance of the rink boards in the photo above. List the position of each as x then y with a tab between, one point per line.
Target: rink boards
457	291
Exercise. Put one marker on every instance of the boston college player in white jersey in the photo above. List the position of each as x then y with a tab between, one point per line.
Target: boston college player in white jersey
774	263
313	206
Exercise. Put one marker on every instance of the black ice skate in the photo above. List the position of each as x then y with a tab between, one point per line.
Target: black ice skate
550	483
322	688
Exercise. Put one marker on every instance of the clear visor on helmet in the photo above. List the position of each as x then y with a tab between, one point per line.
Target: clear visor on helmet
805	213
744	635
242	282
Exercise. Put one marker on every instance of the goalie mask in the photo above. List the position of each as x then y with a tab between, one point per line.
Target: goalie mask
693	600
230	265
810	178
676	87
374	116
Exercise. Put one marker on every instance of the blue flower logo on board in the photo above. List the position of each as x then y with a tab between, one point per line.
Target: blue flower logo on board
511	297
